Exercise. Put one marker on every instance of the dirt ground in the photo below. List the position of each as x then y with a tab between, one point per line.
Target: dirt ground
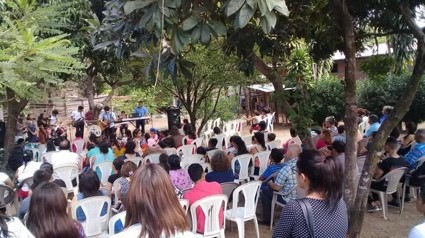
374	225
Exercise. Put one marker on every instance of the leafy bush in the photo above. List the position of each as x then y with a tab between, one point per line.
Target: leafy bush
374	94
328	96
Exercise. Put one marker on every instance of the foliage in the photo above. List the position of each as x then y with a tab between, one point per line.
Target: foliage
27	60
373	95
153	98
329	99
228	108
377	66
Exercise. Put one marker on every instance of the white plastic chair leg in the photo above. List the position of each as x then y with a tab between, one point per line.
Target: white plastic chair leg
272	212
256	227
384	204
241	228
222	233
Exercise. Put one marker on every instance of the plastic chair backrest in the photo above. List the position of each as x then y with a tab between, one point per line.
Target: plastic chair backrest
152	158
209	125
216	122
206	167
247	140
244	165
184	139
273	144
47	157
94	129
362	127
228	188
66	172
113	222
186	150
210	153
263	156
211	207
78	146
191	159
170	151
393	179
7	195
94	224
138	161
220	139
28	181
115	189
251	193
197	142
419	162
105	170
185	204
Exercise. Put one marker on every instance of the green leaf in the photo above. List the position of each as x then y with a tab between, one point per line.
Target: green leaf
218	27
265	25
282	8
270	4
196	34
252	3
271	18
131	6
244	15
205	33
190	23
234	6
263	7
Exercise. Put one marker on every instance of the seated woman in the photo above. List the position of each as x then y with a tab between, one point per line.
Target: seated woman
123	183
116	167
48	217
153	209
88	187
325	139
295	139
255	119
103	156
258	145
408	139
221	171
322	178
26	171
130	152
179	177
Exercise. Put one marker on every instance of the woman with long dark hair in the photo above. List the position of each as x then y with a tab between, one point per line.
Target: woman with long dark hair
239	147
12	227
43	125
48	217
153	209
322	178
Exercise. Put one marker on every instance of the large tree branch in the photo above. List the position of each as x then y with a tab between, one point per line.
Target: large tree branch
262	67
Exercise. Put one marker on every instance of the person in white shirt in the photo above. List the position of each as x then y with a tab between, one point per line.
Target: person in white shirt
26	171
107	118
12	227
64	155
78	121
419	230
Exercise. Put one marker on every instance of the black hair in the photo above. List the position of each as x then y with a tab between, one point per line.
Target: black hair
27	156
174	162
92	137
195	172
50	145
162	144
55	112
341	129
201	150
212	143
118	164
262	125
106	108
325	175
293	132
185	121
392	143
40	176
47	167
411	127
216	130
147	136
129	147
276	155
395	132
64	145
240	144
163	162
103	147
339	146
80	107
259	137
89	184
373	118
90	146
271	136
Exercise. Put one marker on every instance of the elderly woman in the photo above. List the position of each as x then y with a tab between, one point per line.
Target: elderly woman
221	171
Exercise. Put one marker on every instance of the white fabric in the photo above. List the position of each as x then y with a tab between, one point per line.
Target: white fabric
76	115
27	171
17	229
3	178
418	231
64	157
134	231
53	120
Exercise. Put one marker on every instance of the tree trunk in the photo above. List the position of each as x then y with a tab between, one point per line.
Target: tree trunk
403	104
89	91
14	108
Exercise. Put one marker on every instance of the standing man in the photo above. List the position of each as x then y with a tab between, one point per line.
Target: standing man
78	121
141	111
107	119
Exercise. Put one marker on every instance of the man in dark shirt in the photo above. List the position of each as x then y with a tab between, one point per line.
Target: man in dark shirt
390	161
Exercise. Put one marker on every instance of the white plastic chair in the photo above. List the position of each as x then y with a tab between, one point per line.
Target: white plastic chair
7	196
238	127
185	150
185	204
211	207
220	138
210	153
152	158
244	166
78	146
273	144
251	193
184	139
197	142
263	156
247	140
191	159
206	167
94	129
170	151
300	194
228	189
95	224
120	217
138	161
67	172
105	169
393	179
216	122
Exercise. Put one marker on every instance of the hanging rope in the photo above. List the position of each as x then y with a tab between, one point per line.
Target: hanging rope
160	43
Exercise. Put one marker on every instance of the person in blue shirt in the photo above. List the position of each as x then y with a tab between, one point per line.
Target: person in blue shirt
141	111
386	110
221	171
418	151
374	125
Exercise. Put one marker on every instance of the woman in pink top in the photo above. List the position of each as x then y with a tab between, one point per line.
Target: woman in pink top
201	189
325	139
179	177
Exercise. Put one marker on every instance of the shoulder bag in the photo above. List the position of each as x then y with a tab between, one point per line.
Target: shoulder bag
308	215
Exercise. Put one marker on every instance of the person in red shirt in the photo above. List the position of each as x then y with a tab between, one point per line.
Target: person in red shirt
200	190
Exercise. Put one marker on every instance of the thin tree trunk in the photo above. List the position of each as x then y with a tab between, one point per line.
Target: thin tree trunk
14	108
89	91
